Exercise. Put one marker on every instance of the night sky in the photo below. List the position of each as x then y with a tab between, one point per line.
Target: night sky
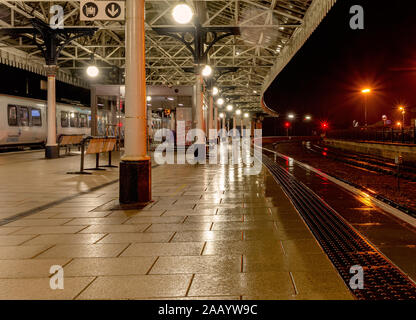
326	76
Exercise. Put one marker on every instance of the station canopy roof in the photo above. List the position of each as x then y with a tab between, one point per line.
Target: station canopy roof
265	36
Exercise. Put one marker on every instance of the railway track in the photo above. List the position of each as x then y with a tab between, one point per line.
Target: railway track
366	162
344	246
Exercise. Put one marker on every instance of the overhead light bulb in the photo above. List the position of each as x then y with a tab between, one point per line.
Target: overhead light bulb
182	13
238	112
207	71
149	98
229	107
215	91
220	101
246	115
93	71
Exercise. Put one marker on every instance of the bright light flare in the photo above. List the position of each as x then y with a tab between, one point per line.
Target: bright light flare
93	71
215	91
238	112
220	101
229	107
207	71
366	90
182	13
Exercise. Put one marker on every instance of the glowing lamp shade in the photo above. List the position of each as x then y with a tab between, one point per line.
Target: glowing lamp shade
291	116
308	118
238	112
149	98
92	71
207	71
182	13
246	115
215	91
366	90
220	101
229	107
221	115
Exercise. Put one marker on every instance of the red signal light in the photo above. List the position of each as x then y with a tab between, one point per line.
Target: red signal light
324	125
287	125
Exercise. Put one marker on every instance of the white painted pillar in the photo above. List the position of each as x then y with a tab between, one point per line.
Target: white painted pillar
51	151
211	113
135	130
199	103
234	126
135	167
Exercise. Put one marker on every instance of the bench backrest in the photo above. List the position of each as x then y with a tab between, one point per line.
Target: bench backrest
99	145
71	140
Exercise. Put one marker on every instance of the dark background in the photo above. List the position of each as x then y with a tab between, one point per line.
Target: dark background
18	82
326	76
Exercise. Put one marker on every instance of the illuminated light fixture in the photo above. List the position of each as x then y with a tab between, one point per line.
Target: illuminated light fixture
238	112
291	116
171	99
399	124
220	101
215	91
222	115
308	118
229	107
255	91
93	71
182	13
149	98
367	90
207	71
246	115
180	104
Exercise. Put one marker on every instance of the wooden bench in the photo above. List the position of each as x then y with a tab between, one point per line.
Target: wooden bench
97	145
68	141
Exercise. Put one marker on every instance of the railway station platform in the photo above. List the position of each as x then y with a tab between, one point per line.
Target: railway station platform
210	233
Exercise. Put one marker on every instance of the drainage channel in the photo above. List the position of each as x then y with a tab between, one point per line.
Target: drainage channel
344	246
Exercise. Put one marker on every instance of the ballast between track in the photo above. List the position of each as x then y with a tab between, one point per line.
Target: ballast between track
344	246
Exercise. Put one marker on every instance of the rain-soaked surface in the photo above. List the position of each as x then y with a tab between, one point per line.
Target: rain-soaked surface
394	238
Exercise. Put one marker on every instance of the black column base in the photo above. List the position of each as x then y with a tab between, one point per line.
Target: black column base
51	152
135	182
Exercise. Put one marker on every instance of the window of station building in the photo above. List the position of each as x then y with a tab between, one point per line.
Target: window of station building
83	120
64	119
36	117
24	116
12	115
74	119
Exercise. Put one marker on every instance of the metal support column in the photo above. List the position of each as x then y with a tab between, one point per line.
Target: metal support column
52	149
94	112
135	166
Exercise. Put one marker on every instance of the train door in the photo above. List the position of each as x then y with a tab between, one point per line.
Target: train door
12	127
23	115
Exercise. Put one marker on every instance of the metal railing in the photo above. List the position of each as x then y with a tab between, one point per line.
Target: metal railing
386	134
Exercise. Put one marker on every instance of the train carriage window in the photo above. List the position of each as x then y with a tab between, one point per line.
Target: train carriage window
12	115
73	120
24	116
36	117
64	119
89	121
83	120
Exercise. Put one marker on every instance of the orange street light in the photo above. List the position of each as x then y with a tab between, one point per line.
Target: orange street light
366	92
402	109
